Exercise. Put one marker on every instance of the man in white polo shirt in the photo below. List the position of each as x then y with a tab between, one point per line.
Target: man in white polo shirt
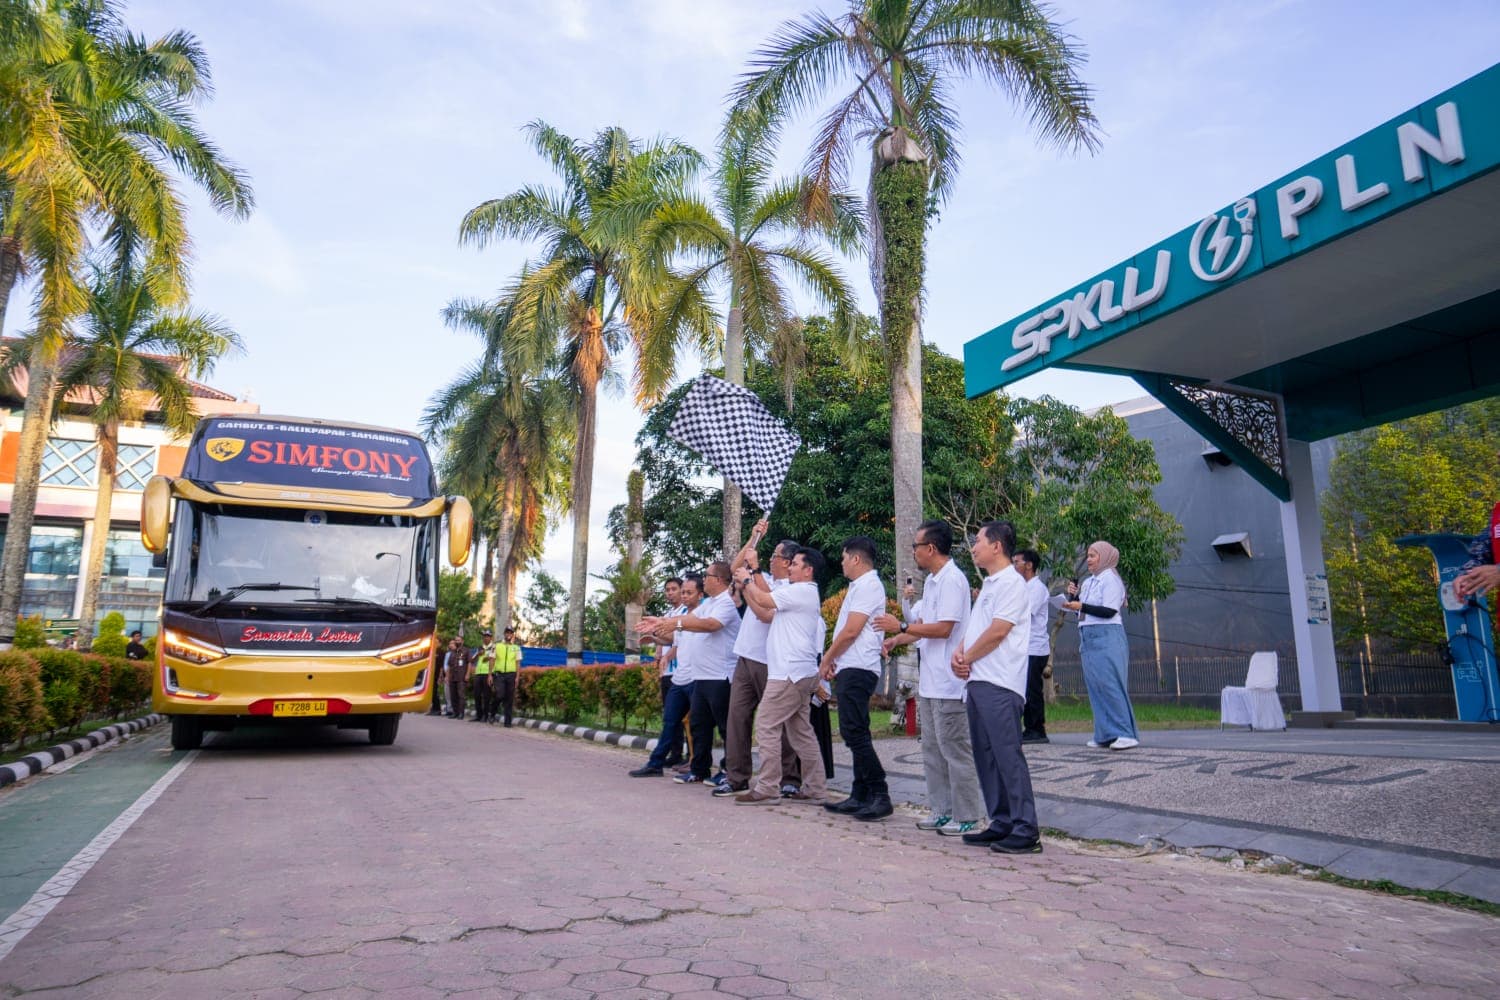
992	660
852	662
711	629
679	692
750	675
794	612
937	627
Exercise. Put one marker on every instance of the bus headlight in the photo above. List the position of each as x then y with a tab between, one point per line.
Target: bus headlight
181	647
407	652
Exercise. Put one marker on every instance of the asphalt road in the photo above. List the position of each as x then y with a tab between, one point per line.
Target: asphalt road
473	861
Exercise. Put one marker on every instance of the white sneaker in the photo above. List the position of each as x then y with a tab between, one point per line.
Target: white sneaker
934	822
1094	744
1124	743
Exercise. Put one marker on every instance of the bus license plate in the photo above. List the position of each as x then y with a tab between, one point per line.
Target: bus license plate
299	709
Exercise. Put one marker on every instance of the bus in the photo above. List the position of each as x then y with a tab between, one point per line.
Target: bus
302	561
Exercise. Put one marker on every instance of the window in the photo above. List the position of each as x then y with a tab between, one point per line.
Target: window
130	584
67	462
51	583
71	462
135	464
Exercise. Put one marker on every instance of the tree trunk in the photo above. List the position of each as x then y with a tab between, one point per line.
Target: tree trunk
504	541
899	192
36	421
10	270
635	546
734	371
109	449
583	488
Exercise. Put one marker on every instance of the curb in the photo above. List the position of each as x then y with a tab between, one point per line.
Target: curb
593	735
41	760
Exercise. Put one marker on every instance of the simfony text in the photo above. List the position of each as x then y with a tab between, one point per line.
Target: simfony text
326	456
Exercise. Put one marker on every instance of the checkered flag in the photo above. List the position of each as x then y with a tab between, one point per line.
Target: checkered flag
732	429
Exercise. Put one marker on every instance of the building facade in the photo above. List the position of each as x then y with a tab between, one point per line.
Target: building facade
64	523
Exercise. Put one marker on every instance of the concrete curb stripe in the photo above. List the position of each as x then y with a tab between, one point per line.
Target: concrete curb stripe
593	735
35	909
41	760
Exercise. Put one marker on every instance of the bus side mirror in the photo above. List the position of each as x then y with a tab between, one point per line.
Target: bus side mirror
156	511
460	530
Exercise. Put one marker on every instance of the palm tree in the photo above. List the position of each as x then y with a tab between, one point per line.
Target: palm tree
594	285
902	60
131	356
752	238
508	436
99	120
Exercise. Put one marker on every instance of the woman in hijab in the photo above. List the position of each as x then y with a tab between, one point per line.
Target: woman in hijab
1103	648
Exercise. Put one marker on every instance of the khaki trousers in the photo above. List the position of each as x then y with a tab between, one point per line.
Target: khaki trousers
745	692
784	710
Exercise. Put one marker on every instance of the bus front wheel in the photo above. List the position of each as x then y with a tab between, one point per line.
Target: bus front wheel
383	729
187	732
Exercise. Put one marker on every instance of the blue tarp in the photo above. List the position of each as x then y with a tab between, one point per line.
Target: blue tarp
541	656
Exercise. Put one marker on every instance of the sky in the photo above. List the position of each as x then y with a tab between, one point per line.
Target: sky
368	128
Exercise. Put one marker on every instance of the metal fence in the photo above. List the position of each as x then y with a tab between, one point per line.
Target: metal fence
1415	684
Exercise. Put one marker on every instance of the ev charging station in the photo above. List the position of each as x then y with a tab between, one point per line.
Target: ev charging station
1359	289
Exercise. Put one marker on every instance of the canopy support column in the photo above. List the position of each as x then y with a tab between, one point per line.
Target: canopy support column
1306	577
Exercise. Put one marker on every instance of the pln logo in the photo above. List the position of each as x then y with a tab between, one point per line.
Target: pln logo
1218	255
223	449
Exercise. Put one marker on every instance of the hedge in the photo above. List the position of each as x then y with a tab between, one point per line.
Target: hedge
49	689
607	691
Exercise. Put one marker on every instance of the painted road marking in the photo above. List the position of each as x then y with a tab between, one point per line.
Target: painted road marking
21	922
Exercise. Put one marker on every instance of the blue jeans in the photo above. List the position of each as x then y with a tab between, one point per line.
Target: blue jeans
1105	653
673	710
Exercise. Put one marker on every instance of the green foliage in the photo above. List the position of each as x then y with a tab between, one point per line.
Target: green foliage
458	607
560	693
111	640
543	608
1429	474
1078	478
23	708
30	633
900	195
839	483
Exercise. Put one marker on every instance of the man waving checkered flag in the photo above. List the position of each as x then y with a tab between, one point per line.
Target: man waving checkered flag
732	429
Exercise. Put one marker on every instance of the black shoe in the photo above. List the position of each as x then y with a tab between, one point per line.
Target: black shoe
646	772
507	725
1034	738
847	807
989	835
878	808
1016	844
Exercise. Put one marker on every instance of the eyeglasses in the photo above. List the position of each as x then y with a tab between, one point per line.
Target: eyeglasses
917	545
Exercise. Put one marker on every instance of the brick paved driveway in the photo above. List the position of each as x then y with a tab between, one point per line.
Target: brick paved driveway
469	861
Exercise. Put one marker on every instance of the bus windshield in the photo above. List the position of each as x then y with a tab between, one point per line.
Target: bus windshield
233	555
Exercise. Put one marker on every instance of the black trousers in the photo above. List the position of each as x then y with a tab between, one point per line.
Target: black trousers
822	724
1004	776
456	699
676	751
505	693
1034	715
484	698
852	689
437	700
710	709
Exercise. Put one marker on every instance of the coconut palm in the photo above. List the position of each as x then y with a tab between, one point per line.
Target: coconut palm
131	356
593	284
508	433
893	66
96	122
748	239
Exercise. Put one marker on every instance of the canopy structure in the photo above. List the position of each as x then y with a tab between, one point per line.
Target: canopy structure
1361	288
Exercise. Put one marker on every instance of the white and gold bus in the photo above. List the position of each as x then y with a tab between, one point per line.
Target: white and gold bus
302	562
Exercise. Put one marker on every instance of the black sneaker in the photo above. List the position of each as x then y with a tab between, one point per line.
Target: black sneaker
1034	738
727	789
1016	844
688	779
878	808
989	835
646	772
847	806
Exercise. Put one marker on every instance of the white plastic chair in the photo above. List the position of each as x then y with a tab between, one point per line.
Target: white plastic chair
1256	704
